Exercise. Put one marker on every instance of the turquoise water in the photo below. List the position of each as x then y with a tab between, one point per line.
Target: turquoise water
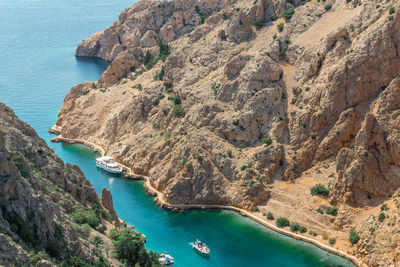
37	44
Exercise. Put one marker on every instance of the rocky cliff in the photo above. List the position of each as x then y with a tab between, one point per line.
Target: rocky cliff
49	213
250	103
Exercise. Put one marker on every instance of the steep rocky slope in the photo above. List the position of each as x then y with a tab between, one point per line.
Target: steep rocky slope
253	99
44	205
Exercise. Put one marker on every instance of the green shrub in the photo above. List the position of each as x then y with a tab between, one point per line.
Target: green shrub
35	257
332	240
199	158
294	227
160	75
78	216
97	240
319	210
92	218
384	207
164	52
258	23
332	211
280	27
282	222
391	10
270	216
178	111
302	229
328	7
353	237
102	229
267	140
147	58
86	229
319	189
235	122
287	14
282	50
157	100
381	217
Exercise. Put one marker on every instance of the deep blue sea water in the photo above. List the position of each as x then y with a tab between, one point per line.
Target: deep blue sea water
37	68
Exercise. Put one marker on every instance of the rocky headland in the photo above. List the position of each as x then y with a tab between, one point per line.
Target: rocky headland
252	103
50	214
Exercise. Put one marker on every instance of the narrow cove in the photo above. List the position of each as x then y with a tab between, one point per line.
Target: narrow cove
37	71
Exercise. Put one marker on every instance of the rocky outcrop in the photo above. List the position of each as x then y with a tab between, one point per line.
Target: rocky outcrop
106	202
38	194
250	93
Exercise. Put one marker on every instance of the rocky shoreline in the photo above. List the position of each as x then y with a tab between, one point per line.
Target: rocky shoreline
159	200
251	104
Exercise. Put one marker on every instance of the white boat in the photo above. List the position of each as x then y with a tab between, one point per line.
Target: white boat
108	163
201	247
166	259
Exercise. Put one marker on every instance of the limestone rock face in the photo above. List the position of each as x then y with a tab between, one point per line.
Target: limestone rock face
107	202
37	194
245	100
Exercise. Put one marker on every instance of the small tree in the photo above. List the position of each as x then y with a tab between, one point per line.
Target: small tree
294	227
270	216
353	237
332	240
282	222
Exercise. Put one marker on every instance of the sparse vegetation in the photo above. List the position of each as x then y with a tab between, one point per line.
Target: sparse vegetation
267	140
319	189
258	24
288	13
160	74
332	240
270	216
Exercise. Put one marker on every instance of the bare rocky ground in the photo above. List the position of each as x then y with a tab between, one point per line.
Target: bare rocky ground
251	108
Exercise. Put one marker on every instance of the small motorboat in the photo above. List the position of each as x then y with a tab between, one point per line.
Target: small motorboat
166	259
109	164
201	247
